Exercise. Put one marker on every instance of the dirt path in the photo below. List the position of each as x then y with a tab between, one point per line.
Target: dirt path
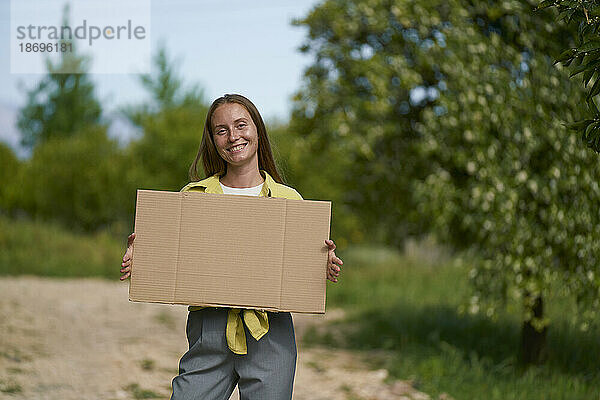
81	339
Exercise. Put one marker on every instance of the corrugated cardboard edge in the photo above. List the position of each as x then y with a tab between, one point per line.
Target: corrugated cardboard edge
137	199
328	236
228	306
132	276
321	301
327	258
133	248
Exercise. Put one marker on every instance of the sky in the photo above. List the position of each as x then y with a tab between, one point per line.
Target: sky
233	46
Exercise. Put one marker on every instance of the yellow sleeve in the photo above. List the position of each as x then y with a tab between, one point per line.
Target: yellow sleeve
299	195
191	188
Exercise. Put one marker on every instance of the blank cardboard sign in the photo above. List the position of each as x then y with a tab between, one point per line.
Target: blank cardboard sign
223	250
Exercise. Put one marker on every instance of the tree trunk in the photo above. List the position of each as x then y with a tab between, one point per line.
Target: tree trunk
533	342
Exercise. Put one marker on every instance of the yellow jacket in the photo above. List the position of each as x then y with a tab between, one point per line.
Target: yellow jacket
256	320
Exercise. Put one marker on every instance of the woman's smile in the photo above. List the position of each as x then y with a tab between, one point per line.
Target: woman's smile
238	148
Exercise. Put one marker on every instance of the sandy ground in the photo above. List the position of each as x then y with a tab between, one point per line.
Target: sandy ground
82	339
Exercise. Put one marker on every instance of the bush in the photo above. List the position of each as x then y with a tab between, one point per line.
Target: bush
80	181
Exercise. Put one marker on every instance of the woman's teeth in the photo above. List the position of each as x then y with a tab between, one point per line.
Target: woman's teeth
237	148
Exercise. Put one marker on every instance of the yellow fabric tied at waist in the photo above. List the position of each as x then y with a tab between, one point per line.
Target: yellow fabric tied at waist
257	322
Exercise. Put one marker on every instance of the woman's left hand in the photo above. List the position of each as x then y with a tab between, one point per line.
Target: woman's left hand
333	270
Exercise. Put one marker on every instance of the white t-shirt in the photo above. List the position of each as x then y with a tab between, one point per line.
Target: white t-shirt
249	191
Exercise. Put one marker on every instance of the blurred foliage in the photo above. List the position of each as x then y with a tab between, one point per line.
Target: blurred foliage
160	159
9	169
171	123
317	175
49	249
62	104
583	58
76	180
86	181
357	109
446	115
507	180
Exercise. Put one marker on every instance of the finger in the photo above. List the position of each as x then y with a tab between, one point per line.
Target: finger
125	276
335	257
126	269
330	244
130	239
331	277
333	272
333	267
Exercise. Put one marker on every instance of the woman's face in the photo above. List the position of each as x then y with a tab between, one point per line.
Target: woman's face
234	134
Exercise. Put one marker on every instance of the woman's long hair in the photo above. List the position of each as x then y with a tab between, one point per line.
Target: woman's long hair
212	161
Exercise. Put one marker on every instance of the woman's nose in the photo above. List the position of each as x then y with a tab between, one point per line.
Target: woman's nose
233	135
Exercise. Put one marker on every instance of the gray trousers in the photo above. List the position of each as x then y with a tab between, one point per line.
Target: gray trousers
209	370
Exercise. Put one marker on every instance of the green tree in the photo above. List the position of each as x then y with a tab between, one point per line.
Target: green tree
63	102
9	171
584	58
78	181
415	99
316	174
171	124
358	107
508	182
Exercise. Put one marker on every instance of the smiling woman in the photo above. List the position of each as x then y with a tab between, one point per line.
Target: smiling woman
254	349
233	120
236	138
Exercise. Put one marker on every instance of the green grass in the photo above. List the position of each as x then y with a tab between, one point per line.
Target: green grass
35	248
147	364
409	310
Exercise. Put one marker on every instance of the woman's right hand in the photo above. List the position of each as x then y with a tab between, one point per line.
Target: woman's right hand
127	258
